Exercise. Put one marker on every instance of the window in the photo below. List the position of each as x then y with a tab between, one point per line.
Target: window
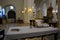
0	11
11	7
3	11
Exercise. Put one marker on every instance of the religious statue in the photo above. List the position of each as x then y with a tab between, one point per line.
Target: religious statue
49	13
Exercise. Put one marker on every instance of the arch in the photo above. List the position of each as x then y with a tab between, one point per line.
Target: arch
9	5
7	9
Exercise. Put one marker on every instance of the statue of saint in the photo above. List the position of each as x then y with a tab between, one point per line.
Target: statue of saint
49	13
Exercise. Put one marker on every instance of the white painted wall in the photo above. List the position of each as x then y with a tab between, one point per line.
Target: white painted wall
19	5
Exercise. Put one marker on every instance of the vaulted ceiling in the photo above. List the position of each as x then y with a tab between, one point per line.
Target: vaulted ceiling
37	2
40	2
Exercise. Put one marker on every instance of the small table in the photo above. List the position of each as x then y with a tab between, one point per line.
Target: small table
27	32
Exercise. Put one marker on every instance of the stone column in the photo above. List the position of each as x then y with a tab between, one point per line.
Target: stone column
28	15
59	13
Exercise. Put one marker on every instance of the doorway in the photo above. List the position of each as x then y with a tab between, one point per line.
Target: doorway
10	13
